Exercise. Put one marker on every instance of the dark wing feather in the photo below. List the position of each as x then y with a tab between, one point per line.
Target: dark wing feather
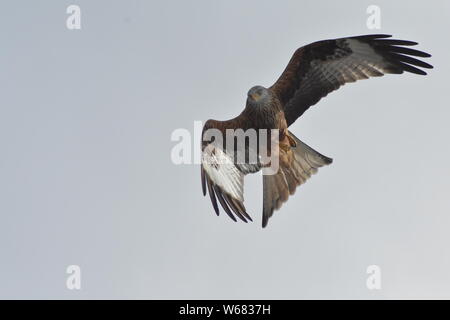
322	67
212	195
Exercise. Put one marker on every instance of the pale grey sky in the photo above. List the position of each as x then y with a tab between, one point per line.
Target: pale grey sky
86	117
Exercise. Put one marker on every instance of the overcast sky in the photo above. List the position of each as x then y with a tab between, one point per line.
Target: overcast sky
86	118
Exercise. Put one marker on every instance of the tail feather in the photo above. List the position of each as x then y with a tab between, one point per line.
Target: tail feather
278	187
292	180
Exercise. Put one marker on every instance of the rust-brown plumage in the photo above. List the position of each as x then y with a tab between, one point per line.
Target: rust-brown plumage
313	71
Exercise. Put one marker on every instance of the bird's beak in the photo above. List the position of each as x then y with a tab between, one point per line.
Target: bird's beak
254	97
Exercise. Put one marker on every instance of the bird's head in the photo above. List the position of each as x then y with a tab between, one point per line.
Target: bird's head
258	96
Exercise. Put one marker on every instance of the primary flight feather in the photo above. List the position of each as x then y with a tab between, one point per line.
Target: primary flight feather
313	71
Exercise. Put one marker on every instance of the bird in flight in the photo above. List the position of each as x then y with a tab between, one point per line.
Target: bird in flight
313	71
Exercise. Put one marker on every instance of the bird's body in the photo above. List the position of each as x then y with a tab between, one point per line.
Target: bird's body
313	71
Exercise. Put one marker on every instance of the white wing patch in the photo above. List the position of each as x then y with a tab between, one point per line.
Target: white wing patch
364	54
222	171
362	63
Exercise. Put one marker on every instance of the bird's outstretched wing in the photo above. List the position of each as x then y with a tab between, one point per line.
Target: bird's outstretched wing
223	179
322	67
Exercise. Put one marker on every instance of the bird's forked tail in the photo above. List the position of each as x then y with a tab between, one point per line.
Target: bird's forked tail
278	187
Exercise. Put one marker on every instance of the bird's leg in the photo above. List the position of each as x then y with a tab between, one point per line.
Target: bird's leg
284	147
286	141
291	141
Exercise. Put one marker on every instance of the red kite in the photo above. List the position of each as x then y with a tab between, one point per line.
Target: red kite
313	71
